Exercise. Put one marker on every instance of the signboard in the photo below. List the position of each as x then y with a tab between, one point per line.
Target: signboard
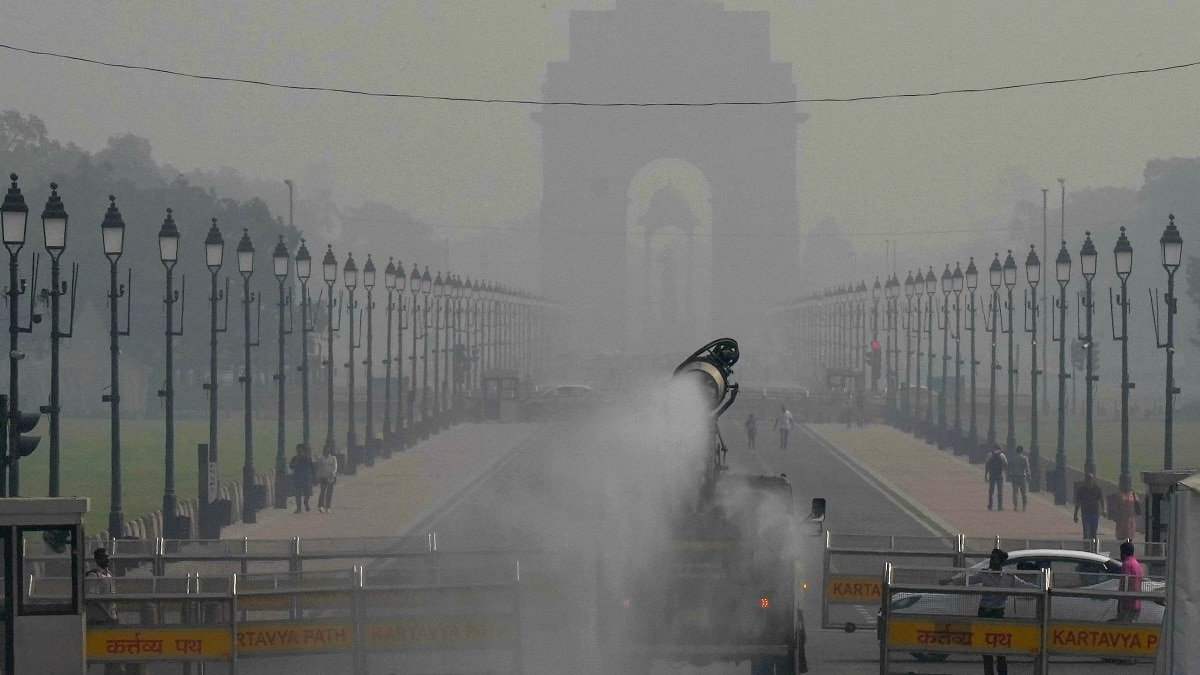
294	637
1128	640
853	590
984	637
409	633
158	644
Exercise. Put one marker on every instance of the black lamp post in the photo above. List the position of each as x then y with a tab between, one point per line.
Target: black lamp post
389	285
14	215
414	288
1123	258
1010	280
112	231
956	284
1033	274
448	294
54	230
876	293
906	398
214	255
1172	254
168	253
350	278
280	262
1062	273
439	290
947	286
245	258
930	289
892	292
971	277
995	279
329	274
426	287
369	284
918	293
303	272
1087	265
401	432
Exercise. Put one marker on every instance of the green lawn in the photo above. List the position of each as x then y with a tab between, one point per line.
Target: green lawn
86	461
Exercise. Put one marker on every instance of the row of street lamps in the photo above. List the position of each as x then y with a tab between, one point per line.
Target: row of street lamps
828	329
492	328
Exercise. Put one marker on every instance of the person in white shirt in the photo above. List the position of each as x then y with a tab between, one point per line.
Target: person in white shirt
327	475
784	424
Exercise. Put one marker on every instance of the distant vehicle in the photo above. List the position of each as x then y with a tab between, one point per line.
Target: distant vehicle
1070	569
563	399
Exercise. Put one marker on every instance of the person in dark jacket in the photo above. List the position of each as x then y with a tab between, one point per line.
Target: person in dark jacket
303	476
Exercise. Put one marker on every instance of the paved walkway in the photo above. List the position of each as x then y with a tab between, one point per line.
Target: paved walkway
949	490
399	493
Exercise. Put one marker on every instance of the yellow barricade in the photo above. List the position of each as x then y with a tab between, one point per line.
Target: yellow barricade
408	633
982	636
1127	640
294	637
158	644
854	590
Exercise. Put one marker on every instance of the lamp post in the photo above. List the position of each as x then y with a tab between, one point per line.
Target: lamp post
54	230
918	293
280	262
245	258
303	272
14	215
1062	273
439	290
168	253
995	279
876	293
947	286
956	283
1033	274
426	287
1172	254
369	284
905	401
350	278
448	294
930	289
971	277
1087	266
389	285
1010	280
415	288
1123	259
112	231
401	432
214	254
329	274
892	293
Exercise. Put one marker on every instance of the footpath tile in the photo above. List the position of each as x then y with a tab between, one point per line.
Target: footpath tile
950	487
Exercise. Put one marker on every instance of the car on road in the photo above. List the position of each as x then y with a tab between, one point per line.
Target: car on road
1073	570
563	399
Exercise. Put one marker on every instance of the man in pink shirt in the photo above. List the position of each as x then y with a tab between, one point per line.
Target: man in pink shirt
1128	608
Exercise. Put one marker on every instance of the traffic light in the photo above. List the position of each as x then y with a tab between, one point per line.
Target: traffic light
24	422
874	359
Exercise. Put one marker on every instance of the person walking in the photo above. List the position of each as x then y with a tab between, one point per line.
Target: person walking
992	603
1126	511
1089	500
1129	608
784	424
99	582
327	468
993	473
1018	475
303	475
751	430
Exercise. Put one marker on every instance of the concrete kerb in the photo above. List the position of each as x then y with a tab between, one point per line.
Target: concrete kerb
898	496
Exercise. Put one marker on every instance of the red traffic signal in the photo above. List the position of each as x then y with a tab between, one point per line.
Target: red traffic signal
875	345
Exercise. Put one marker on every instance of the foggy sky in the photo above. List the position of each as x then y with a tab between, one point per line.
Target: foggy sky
886	166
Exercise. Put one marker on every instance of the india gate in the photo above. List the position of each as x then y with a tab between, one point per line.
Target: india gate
666	226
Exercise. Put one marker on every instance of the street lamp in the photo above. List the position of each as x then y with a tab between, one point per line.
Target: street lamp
995	279
303	272
54	230
1010	280
876	293
931	283
14	215
214	254
112	232
956	283
971	278
426	287
280	262
1172	255
1062	273
415	288
439	291
1087	266
389	285
905	401
350	278
401	432
447	357
168	253
1033	274
329	272
368	280
245	259
918	293
947	286
892	292
1123	259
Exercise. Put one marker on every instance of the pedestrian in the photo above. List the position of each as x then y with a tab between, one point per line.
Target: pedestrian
751	430
1018	475
991	604
99	581
303	473
1127	509
1089	500
784	424
993	473
327	468
1129	608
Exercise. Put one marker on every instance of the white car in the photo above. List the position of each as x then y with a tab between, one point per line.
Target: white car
1069	569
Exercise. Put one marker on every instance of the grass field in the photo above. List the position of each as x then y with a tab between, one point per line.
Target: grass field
86	460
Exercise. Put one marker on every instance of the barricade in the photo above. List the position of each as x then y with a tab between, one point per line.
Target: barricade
933	612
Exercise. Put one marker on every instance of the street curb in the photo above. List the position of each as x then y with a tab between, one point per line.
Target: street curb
898	496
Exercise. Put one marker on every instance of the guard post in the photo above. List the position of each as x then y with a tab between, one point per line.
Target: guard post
1158	486
42	537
